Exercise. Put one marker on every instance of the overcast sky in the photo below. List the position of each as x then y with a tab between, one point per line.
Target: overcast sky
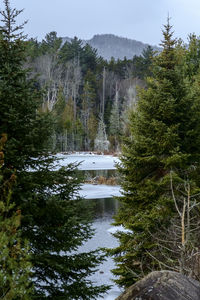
136	19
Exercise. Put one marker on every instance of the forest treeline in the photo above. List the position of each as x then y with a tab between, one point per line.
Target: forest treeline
88	96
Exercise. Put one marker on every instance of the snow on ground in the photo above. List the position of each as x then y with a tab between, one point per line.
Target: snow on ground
99	191
89	161
120	228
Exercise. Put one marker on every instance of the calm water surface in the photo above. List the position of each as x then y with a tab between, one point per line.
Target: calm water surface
104	209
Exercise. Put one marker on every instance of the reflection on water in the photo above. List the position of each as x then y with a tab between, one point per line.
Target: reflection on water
97	173
103	212
104	208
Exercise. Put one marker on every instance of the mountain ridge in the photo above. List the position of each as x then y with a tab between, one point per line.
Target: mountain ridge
110	45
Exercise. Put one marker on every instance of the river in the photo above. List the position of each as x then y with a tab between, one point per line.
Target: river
105	206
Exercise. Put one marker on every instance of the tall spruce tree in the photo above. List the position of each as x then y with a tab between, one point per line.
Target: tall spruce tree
164	140
52	221
15	267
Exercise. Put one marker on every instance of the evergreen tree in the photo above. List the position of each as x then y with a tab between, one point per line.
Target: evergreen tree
87	114
142	64
192	57
33	49
59	128
52	220
164	137
147	55
71	50
51	44
15	267
88	59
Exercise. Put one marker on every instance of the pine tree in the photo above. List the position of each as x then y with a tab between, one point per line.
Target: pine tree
191	55
163	139
60	131
51	44
87	109
15	267
52	221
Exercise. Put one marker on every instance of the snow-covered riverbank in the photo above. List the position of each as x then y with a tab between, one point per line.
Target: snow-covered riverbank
89	161
99	191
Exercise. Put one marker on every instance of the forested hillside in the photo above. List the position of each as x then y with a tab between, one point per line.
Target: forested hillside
88	96
110	45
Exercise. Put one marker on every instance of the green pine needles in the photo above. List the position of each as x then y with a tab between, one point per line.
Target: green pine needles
54	224
15	263
158	159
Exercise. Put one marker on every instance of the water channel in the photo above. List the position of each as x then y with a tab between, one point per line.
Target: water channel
105	206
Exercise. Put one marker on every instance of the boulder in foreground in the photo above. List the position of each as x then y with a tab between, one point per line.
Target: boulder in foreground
163	285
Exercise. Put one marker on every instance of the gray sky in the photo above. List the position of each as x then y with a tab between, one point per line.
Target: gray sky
136	19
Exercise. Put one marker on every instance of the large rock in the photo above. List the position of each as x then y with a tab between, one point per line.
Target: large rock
163	285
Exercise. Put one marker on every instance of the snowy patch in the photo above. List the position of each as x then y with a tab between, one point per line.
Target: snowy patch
120	228
89	161
92	191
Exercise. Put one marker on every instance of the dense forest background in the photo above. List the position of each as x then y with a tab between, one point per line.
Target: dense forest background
88	96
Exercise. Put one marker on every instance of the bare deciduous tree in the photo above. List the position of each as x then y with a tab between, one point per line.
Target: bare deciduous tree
177	247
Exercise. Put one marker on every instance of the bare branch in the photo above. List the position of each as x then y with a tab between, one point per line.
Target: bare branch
173	195
161	263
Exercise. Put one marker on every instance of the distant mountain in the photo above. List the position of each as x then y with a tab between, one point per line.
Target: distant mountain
110	45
